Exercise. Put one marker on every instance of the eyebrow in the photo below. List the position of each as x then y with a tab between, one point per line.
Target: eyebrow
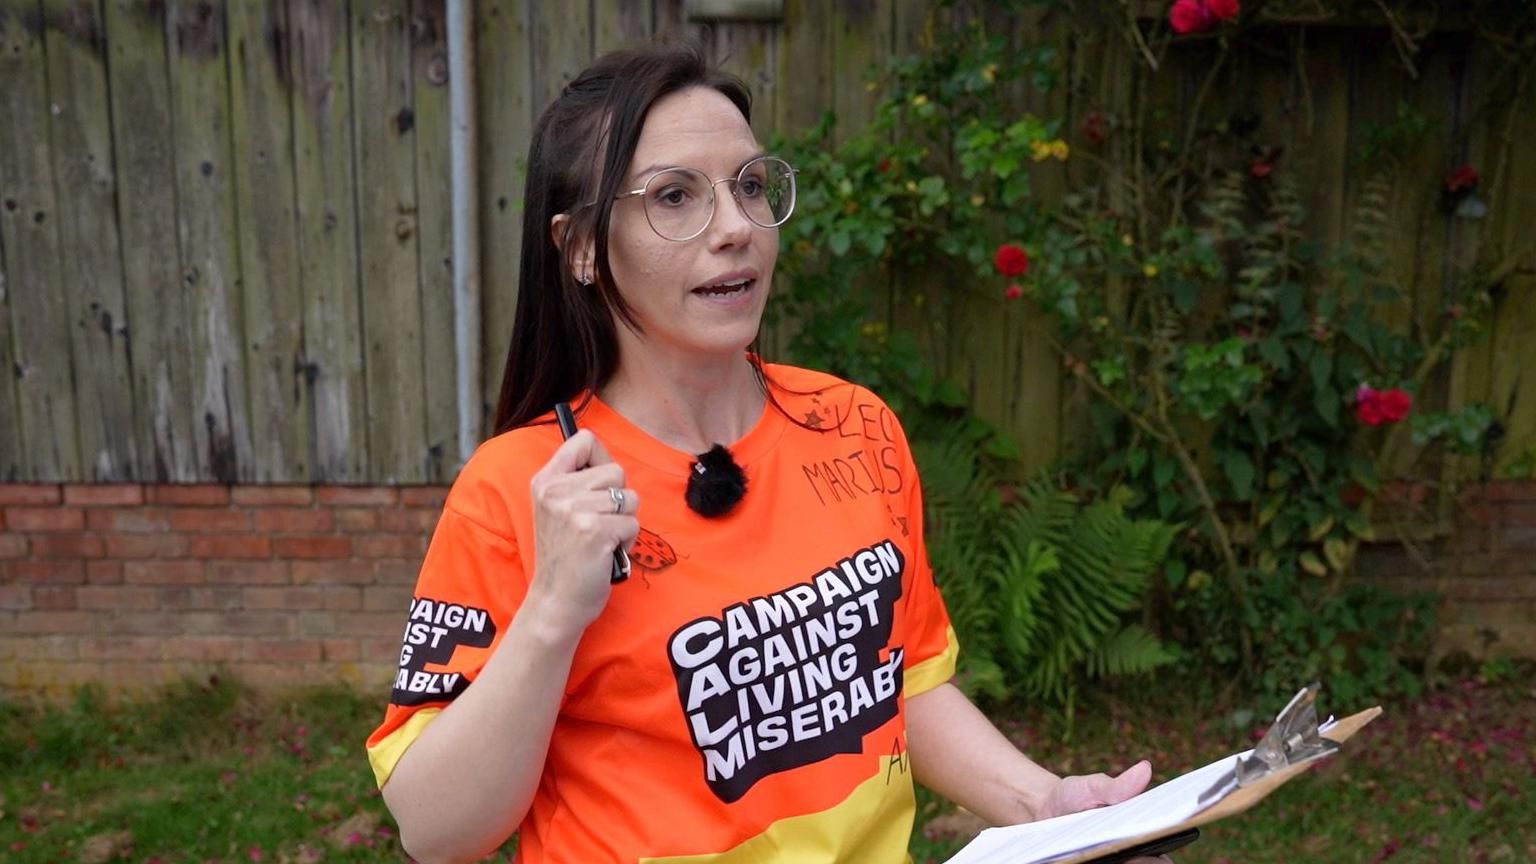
658	168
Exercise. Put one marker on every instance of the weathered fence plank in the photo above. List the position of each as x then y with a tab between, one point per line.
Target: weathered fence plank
91	266
207	224
273	301
561	47
319	58
434	201
143	156
29	234
12	447
620	23
506	113
384	121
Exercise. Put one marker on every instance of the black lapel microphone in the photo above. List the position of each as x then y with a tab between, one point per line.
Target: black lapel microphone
715	483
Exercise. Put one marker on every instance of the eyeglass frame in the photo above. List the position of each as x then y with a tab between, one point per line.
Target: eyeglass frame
794	187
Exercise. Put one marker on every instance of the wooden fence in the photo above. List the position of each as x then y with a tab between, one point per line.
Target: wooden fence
225	227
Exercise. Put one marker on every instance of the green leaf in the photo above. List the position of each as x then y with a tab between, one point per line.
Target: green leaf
1336	550
1162	473
839	243
1240	473
1312	564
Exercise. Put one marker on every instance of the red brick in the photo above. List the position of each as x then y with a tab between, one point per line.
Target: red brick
202	597
292	520
45	647
229	546
135	520
103	572
396	571
200	495
391	546
45	518
332	572
16	597
344	598
238	622
249	572
312	547
204	519
282	650
67	546
50	623
119	494
357	496
408	521
13	546
145	545
209	649
164	572
55	598
117	597
141	622
121	648
1520	513
28	493
385	598
272	496
340	650
424	496
65	571
284	597
356	521
315	623
1509	490
378	624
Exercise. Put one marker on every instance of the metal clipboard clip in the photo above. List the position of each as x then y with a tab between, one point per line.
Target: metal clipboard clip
1294	739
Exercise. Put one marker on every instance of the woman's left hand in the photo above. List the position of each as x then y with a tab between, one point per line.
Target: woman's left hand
1087	791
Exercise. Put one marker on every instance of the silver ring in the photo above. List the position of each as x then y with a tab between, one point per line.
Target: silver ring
617	495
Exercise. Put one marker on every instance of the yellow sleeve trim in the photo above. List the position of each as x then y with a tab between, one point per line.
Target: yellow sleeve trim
935	670
385	755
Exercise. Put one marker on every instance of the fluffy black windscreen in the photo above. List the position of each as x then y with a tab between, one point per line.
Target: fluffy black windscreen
716	483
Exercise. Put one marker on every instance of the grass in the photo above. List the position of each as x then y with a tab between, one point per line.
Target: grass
210	771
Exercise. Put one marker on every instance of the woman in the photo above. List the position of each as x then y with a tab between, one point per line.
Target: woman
776	672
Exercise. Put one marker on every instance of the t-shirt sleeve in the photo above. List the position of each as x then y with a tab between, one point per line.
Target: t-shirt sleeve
931	644
471	582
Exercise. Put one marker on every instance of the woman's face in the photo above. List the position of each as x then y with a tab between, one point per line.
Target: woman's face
703	296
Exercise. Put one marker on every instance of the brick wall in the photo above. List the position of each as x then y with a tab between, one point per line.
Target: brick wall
1485	569
135	585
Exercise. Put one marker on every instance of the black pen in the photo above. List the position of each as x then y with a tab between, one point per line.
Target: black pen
568	428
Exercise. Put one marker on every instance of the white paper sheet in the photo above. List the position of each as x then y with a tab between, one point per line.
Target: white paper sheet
1158	808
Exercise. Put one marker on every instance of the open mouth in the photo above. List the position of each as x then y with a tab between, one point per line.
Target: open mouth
728	288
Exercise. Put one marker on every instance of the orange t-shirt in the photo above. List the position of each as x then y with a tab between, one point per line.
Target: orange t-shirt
742	696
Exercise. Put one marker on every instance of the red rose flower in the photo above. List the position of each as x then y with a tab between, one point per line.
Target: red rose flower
1462	179
1014	292
1395	405
1260	169
1197	16
1011	260
884	166
1223	10
1095	129
1190	16
1375	407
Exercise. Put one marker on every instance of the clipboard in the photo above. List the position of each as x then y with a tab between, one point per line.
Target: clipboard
1220	789
1290	725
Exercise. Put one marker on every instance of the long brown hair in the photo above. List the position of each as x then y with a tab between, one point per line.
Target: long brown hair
563	338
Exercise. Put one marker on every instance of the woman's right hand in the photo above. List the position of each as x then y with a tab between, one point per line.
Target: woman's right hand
576	529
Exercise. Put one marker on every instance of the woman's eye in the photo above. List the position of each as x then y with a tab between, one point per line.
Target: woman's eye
673	196
751	187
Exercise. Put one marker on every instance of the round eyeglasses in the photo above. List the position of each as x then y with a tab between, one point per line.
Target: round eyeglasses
680	202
